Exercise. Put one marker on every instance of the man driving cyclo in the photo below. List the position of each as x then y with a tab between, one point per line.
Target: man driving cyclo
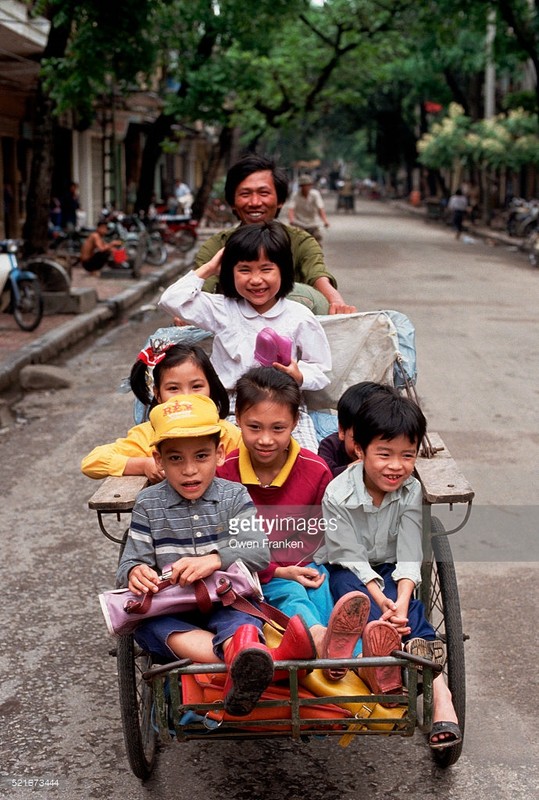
357	591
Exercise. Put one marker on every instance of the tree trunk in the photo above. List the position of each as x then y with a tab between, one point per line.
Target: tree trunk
38	199
158	132
219	152
487	197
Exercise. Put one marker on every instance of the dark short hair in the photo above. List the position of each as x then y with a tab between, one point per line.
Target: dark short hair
260	384
388	416
353	398
246	244
255	163
174	357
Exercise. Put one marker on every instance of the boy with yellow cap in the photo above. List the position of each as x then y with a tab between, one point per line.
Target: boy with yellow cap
187	520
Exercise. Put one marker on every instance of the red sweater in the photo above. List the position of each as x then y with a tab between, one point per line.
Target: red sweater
290	506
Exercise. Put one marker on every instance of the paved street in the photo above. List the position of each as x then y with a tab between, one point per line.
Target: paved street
475	311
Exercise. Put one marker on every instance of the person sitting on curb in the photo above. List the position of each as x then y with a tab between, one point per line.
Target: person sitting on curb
256	190
95	251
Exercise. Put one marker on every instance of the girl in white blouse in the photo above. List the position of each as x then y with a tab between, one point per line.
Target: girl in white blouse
256	273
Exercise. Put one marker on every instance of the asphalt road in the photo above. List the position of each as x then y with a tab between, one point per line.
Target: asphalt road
475	312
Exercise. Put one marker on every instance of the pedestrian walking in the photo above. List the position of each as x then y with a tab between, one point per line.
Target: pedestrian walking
307	208
458	204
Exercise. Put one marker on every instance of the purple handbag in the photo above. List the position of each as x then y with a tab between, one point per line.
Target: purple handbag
123	610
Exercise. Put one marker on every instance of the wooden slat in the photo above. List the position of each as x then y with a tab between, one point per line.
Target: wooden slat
117	494
440	477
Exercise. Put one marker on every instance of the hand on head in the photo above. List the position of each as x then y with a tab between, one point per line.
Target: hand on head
292	370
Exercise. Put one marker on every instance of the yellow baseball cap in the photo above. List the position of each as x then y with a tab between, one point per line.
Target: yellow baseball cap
184	415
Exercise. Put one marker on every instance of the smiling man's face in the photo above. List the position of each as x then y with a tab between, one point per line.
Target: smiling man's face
255	199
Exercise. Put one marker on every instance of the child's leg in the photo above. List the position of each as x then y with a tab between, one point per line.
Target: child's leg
321	597
171	636
417	621
343	580
443	711
314	605
224	622
250	665
304	432
196	645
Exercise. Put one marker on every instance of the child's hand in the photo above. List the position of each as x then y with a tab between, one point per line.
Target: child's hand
143	579
211	267
192	568
395	617
306	576
292	369
152	471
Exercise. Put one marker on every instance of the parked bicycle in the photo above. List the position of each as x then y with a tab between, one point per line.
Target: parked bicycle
20	291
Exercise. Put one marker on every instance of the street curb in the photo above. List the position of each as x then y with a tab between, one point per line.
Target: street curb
51	344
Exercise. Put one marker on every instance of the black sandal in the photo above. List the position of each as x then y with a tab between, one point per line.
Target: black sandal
445	727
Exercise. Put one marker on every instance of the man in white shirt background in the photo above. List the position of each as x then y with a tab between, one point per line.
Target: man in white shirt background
307	207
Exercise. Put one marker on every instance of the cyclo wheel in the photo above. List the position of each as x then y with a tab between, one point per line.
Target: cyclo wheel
136	706
444	613
184	240
28	309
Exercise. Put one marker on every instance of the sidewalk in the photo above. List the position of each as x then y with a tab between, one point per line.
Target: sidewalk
472	230
58	332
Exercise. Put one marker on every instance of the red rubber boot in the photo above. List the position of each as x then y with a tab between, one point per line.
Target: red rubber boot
250	671
297	643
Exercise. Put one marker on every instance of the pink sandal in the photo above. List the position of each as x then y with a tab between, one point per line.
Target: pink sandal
380	639
345	627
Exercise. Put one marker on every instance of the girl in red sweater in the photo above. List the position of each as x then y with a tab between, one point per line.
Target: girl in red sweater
286	483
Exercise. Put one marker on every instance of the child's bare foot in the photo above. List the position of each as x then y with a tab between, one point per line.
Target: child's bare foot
318	632
445	727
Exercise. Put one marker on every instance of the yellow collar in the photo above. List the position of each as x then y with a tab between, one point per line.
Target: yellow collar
248	475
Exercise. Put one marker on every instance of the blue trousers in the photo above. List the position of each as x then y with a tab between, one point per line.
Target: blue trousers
343	580
314	605
152	635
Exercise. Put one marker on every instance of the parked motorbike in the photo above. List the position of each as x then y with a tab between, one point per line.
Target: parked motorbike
20	291
523	217
531	247
176	229
154	249
133	246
